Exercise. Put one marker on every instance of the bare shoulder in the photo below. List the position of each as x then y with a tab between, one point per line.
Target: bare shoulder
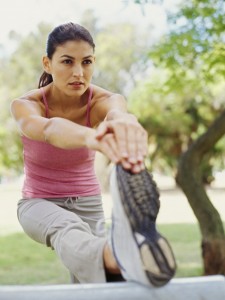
103	102
33	95
102	96
31	100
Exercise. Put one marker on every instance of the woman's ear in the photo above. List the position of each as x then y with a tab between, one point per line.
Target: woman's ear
46	64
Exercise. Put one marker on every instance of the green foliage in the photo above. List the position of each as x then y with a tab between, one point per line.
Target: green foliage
195	40
19	72
26	62
119	56
185	91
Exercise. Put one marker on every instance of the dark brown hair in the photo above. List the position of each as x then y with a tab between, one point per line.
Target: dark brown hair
60	35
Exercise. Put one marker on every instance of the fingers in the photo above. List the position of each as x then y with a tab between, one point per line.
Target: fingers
136	144
137	167
131	139
126	142
142	144
108	146
101	130
134	168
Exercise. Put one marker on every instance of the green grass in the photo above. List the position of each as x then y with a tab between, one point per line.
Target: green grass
185	240
23	261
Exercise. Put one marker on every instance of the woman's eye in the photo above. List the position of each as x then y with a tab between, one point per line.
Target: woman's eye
67	61
87	61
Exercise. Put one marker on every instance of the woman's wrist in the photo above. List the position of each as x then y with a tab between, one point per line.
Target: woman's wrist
117	114
90	139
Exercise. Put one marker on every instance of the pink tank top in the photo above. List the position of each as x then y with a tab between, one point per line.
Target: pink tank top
52	172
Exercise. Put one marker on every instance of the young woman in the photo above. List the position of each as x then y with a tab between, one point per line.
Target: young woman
62	124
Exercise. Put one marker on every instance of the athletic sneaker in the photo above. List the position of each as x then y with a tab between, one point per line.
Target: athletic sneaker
142	254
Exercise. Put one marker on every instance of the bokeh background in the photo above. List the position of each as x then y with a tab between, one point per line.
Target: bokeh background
167	58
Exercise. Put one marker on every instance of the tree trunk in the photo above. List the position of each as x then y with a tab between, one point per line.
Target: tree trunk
213	253
189	178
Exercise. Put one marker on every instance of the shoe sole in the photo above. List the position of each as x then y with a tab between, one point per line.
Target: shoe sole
140	199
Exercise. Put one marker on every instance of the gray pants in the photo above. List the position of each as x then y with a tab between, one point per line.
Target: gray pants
68	225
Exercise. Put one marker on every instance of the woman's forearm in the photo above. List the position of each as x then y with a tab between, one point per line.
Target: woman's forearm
66	134
117	114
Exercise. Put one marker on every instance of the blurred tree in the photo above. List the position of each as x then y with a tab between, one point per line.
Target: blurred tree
117	70
90	21
120	57
19	73
181	112
184	114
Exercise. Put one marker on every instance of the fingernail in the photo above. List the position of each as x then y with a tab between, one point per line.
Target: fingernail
132	160
126	165
140	158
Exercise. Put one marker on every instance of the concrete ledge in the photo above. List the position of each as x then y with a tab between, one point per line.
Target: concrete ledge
199	288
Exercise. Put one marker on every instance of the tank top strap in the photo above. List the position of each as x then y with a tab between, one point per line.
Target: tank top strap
88	121
45	102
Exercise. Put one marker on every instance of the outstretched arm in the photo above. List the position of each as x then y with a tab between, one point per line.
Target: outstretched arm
130	137
59	132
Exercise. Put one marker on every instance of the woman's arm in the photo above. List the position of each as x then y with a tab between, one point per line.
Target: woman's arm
131	138
60	132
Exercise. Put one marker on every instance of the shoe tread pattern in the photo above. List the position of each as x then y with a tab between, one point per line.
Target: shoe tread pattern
140	197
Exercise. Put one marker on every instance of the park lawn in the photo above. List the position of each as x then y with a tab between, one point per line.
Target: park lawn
23	261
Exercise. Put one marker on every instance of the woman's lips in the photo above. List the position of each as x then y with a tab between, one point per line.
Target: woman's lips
76	83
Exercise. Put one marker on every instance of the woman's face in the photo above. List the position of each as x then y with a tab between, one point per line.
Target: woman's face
71	67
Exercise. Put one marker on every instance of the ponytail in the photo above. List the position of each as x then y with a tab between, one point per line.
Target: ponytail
45	79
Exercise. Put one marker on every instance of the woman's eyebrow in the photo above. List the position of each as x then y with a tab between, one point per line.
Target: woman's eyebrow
71	57
67	56
89	56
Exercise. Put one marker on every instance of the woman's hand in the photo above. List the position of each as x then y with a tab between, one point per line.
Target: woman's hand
129	141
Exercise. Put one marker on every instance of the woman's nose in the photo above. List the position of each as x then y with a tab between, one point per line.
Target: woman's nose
78	70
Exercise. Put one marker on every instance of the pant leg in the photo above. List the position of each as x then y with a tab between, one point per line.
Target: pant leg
90	210
63	230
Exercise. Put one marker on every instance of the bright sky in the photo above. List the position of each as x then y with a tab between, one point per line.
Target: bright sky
24	15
